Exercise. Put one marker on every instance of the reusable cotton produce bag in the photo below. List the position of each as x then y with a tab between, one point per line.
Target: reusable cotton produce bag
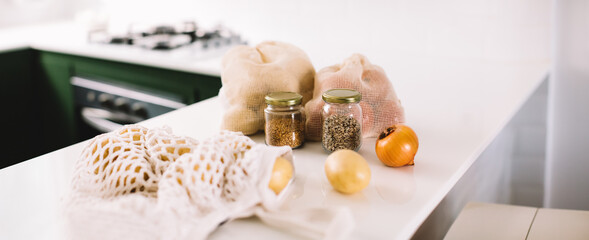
381	107
249	73
139	183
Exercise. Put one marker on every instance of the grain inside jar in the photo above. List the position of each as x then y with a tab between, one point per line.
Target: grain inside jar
285	120
341	120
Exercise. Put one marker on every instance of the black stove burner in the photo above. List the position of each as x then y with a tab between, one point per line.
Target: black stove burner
164	30
121	40
164	37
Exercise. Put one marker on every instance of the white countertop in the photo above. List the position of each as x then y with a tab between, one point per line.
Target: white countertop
456	107
71	38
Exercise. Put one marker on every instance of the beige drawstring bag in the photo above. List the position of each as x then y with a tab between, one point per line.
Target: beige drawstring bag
380	106
249	73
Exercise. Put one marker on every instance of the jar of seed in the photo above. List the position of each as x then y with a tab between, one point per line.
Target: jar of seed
285	119
341	120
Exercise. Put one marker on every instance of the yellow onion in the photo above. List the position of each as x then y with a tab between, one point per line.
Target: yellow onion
397	146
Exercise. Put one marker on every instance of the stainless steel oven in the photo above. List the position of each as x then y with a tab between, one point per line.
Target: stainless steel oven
102	106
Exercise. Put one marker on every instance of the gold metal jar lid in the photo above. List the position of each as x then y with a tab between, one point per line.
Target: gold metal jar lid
341	95
283	99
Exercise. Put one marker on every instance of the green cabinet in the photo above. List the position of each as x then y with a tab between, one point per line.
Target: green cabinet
192	87
56	101
39	82
18	98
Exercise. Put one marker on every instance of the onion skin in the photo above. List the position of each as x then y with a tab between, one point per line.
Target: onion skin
397	146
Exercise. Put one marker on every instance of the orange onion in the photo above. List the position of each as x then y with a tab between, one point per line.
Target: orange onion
397	146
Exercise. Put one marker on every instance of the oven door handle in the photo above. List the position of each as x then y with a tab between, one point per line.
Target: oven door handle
101	119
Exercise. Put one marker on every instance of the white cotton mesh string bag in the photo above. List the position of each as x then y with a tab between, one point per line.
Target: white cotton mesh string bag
164	147
195	180
133	134
129	216
381	108
220	179
114	167
242	176
114	189
191	189
260	160
234	143
214	185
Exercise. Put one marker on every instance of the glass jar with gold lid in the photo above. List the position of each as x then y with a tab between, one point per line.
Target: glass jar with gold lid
285	119
341	120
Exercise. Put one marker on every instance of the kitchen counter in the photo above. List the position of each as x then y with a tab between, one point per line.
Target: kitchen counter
71	38
457	107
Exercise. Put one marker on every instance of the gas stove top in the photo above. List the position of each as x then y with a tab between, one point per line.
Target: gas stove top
168	36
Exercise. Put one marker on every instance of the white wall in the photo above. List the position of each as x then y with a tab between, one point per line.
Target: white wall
567	167
20	12
14	13
479	29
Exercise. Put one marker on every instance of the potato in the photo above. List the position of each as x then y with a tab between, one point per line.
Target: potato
281	174
347	171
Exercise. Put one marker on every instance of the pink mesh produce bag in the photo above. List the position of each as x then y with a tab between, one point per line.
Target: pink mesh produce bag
381	107
249	73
